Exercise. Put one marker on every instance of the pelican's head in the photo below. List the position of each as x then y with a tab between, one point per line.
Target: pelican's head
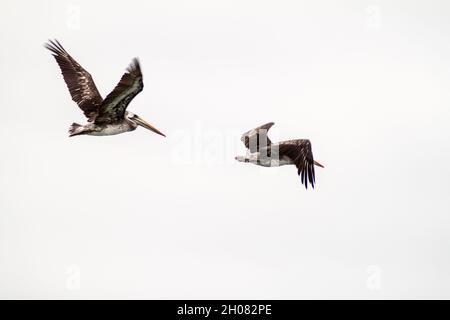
141	122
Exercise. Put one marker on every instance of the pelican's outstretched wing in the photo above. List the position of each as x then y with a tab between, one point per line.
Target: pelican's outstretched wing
299	151
115	104
257	138
81	86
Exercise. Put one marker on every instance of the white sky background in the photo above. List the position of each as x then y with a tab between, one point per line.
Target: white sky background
139	216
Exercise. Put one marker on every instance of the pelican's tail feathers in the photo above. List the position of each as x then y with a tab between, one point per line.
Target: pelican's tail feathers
242	159
76	129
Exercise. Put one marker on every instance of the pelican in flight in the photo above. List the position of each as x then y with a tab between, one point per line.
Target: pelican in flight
262	152
105	116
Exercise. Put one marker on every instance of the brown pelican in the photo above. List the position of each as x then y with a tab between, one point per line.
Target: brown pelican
108	116
262	152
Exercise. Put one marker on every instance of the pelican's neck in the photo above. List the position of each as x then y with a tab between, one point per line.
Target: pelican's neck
133	125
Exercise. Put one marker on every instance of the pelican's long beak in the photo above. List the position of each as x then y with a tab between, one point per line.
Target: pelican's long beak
147	125
318	164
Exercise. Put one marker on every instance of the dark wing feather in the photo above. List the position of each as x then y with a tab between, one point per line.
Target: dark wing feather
81	86
115	104
300	152
257	138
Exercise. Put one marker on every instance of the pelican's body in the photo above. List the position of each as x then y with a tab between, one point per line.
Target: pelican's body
107	129
262	160
105	116
262	152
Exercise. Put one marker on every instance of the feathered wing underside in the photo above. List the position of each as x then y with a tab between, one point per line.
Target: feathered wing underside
300	152
115	104
257	138
81	86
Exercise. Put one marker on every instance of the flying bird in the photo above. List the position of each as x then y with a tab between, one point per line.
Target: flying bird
261	151
105	116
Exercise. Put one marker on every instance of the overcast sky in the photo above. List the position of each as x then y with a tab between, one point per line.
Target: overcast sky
141	216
